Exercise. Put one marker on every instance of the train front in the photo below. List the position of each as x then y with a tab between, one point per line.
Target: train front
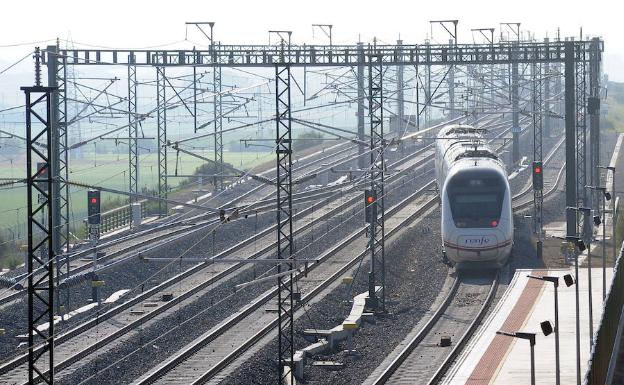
477	219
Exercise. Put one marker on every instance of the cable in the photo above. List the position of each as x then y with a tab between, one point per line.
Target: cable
13	65
26	43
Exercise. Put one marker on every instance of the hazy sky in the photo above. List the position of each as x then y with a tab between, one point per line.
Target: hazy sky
138	24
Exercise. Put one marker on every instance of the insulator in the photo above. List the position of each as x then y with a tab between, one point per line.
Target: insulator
10	283
77	279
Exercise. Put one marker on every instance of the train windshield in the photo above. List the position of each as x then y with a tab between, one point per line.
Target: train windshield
476	199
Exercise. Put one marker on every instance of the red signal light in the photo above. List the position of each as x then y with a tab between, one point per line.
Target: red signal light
538	170
94	200
370	200
494	223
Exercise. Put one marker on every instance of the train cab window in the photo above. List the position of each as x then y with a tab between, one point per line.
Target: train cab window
476	200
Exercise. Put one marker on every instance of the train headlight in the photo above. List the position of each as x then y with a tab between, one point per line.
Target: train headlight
494	223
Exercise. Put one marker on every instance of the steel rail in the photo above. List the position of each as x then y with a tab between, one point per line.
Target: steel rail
197	345
189	351
433	321
467	335
81	328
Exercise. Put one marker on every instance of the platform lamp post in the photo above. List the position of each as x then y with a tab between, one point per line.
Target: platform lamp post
612	169
587	211
569	281
580	245
606	196
546	329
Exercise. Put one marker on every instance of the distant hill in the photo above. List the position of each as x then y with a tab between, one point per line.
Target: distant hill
614	107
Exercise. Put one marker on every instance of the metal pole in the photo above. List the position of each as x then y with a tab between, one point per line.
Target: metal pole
538	197
547	105
377	147
578	323
417	100
532	342
55	150
284	220
570	141
161	106
593	109
515	114
195	99
613	216
400	94
451	84
557	367
218	126
133	158
360	105
40	246
589	291
604	249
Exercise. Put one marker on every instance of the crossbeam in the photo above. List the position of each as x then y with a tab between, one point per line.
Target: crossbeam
334	55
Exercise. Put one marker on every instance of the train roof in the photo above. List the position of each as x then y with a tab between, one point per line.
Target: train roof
464	141
459	130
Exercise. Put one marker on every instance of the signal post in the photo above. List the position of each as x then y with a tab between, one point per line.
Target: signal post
93	223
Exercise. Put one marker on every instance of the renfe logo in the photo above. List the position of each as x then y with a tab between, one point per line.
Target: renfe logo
477	240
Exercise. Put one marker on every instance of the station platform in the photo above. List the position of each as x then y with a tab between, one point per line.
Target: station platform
495	359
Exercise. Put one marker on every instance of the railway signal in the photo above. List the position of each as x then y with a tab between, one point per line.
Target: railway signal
93	207
538	176
370	205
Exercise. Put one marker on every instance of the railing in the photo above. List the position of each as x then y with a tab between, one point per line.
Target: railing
119	217
605	336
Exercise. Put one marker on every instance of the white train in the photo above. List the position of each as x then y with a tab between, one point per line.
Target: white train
477	218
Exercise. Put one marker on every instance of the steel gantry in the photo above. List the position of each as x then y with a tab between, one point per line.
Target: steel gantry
377	147
285	234
40	196
500	56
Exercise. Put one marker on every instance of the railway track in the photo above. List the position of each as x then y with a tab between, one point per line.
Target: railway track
552	175
211	353
214	349
112	336
425	360
188	285
458	316
150	239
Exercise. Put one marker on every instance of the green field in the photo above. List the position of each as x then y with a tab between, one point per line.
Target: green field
106	170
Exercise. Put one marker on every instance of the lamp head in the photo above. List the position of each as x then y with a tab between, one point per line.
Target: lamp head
547	327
